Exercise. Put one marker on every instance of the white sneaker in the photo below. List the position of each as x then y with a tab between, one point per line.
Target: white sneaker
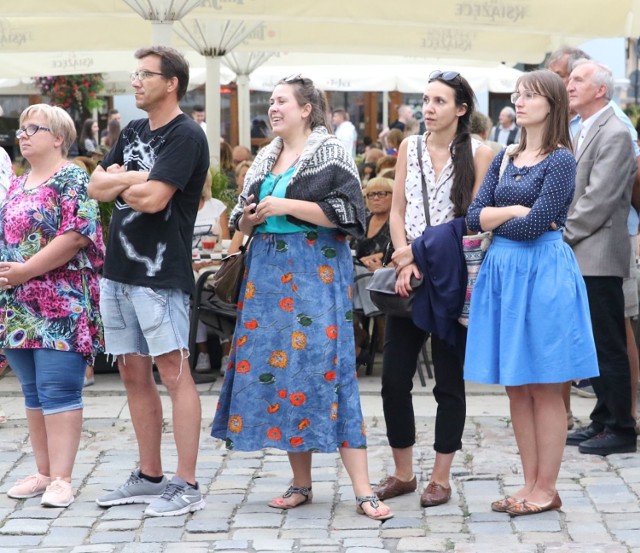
204	363
223	364
58	494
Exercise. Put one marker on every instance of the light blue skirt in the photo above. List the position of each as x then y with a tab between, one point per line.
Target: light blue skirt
529	319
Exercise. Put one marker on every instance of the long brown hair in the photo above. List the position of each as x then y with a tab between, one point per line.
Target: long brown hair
305	92
556	131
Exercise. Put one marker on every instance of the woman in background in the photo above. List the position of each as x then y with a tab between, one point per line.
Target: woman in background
89	137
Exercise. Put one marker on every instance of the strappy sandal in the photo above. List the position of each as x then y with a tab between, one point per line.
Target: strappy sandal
524	507
303	491
375	503
502	505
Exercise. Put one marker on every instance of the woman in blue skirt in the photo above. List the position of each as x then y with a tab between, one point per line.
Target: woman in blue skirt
529	326
291	380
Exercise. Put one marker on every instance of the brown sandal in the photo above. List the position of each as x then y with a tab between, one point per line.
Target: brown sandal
524	507
502	505
303	491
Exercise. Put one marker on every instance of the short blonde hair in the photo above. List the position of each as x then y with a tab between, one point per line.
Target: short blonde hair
378	182
242	165
58	120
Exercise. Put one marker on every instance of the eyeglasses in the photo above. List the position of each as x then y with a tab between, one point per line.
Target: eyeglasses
30	130
143	74
380	194
528	95
443	75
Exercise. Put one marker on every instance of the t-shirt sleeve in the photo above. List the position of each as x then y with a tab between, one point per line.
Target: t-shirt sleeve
81	214
175	165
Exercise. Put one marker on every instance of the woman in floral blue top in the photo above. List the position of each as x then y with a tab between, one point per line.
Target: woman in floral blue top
50	251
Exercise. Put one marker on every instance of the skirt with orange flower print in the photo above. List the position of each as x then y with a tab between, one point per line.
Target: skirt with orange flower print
291	380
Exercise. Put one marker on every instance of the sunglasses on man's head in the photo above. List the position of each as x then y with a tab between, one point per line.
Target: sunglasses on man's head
443	75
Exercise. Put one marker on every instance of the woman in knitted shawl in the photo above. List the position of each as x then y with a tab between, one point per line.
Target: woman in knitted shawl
291	379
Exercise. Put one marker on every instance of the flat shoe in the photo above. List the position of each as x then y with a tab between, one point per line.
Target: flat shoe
524	507
373	501
305	492
502	505
435	494
393	487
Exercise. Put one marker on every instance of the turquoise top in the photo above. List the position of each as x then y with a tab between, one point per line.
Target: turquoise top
276	185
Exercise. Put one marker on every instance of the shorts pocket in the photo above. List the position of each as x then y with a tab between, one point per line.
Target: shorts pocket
152	308
110	307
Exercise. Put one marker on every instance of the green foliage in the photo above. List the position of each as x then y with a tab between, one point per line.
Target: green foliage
220	188
633	111
106	209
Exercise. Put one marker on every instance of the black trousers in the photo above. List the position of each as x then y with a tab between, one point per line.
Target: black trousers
613	386
402	343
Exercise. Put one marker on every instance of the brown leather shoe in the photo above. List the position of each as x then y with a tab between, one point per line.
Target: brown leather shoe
393	487
435	494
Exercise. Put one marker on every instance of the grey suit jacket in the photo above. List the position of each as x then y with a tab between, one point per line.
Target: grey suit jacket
596	227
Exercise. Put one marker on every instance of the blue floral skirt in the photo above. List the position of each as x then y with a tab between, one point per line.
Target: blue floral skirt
529	319
291	381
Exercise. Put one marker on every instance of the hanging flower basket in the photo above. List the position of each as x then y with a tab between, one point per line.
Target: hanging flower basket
75	93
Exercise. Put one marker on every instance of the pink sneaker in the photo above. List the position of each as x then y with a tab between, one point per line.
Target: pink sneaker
58	494
30	486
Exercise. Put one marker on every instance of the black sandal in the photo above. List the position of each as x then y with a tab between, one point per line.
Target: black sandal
303	491
375	503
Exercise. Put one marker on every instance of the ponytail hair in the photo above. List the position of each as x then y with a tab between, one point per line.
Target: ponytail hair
464	172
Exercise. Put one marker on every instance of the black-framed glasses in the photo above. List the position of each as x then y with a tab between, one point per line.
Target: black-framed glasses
143	74
379	194
30	130
527	95
443	75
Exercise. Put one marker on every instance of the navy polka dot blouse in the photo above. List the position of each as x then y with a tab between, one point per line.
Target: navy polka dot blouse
547	188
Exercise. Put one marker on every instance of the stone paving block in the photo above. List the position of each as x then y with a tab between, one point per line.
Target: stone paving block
231	545
298	533
116	525
264	544
250	533
161	534
366	550
18	541
211	525
374	543
489	528
538	523
265	520
73	522
143	548
489	548
112	537
97	548
26	526
65	536
124	512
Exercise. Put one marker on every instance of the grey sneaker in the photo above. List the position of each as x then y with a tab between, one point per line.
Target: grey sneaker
134	490
178	498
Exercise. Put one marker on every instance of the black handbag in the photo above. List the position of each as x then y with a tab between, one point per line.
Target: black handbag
382	286
228	278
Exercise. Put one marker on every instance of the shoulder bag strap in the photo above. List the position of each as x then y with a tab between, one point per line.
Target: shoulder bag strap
425	194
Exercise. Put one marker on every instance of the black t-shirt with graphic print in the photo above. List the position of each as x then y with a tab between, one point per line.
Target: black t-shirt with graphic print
154	249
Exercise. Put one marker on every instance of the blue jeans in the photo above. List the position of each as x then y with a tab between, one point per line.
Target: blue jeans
51	380
147	321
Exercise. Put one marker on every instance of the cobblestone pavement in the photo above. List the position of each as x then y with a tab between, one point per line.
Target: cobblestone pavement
601	512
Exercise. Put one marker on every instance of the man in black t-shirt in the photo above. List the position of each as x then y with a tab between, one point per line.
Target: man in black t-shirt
155	175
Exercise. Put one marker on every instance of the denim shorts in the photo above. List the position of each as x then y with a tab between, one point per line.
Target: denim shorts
146	321
51	380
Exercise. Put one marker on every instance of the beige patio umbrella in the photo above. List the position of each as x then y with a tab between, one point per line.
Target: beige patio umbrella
513	31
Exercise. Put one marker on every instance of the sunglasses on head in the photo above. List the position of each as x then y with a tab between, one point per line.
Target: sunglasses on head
443	75
293	78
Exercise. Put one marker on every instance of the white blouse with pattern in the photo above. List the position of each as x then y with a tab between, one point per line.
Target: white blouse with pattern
440	204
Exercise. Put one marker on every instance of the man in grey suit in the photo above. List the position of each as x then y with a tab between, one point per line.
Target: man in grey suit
596	229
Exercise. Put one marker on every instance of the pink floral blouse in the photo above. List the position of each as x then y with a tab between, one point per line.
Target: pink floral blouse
60	309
